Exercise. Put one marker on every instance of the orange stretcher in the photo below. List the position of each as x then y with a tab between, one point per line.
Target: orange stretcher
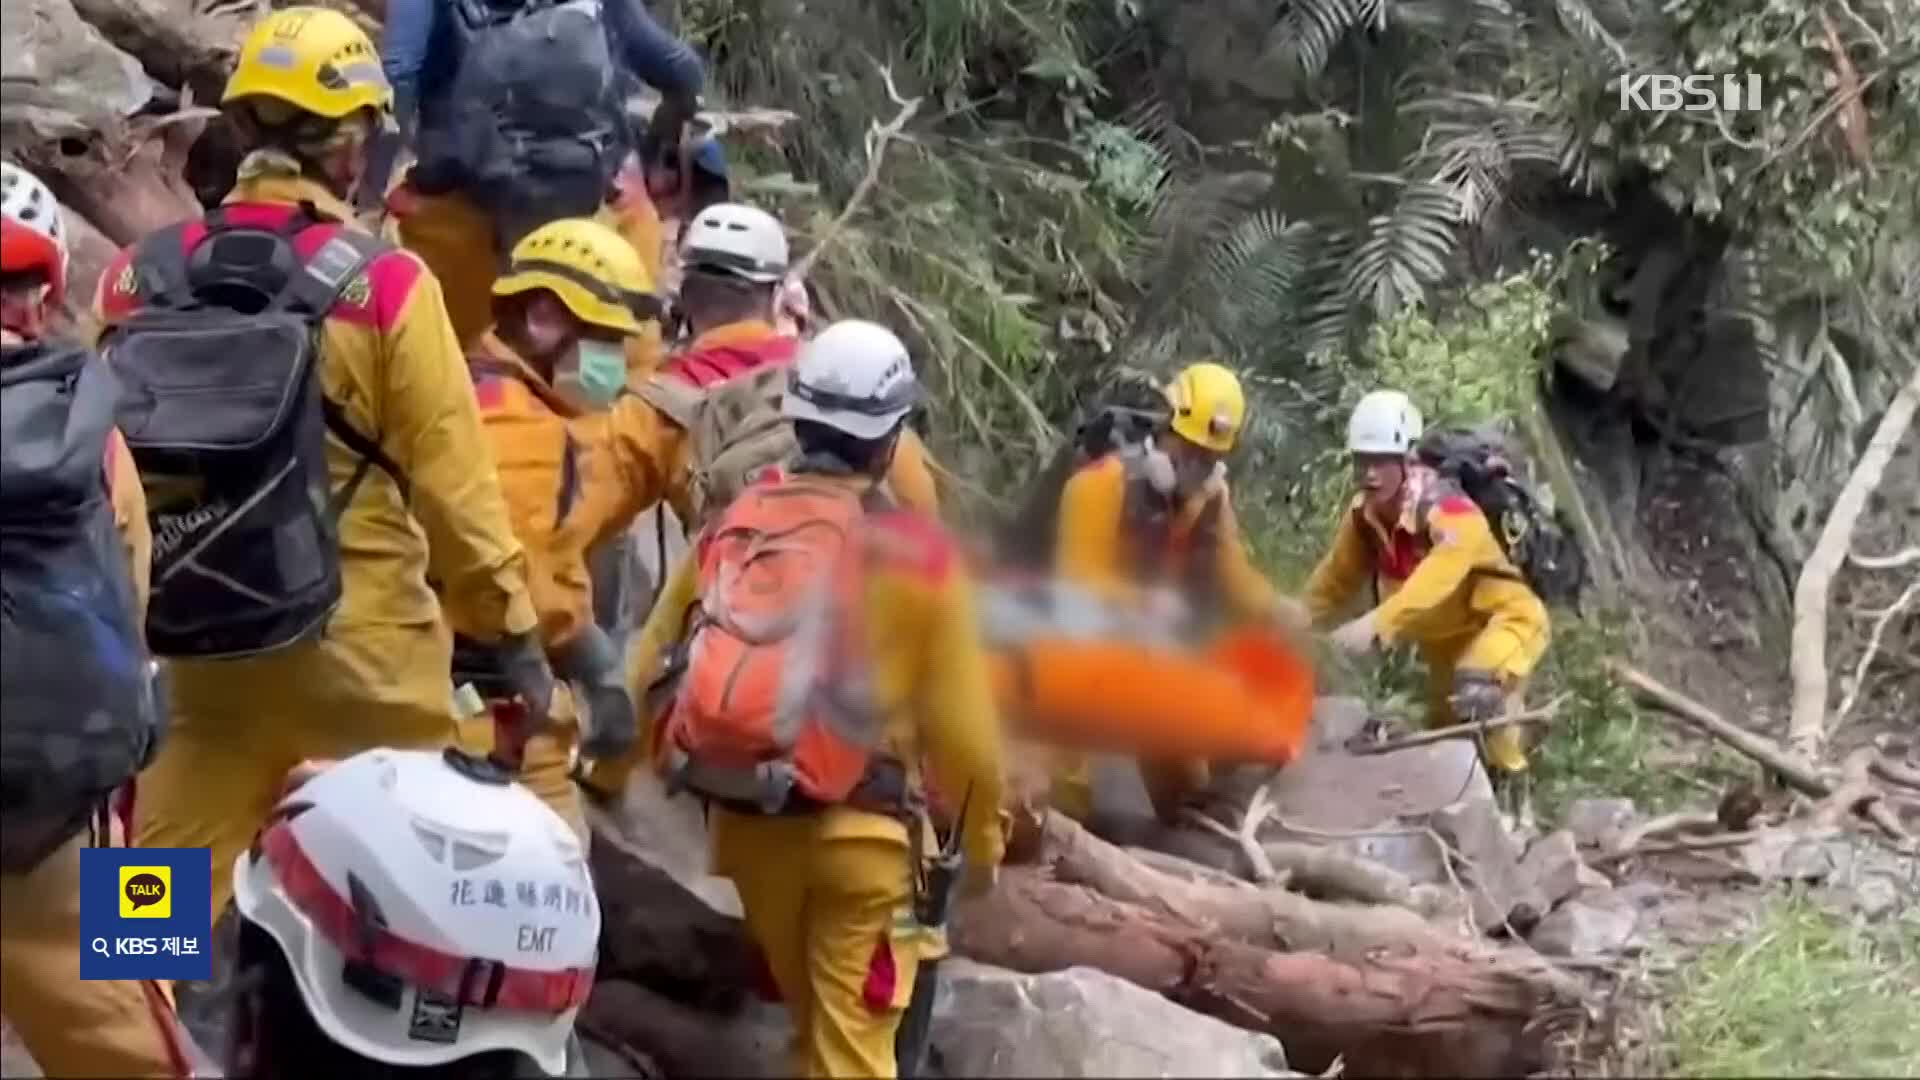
1246	698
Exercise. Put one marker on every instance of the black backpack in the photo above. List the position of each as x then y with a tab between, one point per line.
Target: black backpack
1541	545
223	410
1027	538
531	126
75	684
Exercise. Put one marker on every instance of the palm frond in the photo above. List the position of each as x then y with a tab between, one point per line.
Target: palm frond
1405	250
1580	21
1310	29
1190	218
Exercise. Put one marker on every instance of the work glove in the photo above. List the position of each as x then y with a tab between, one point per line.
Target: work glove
1476	696
1357	636
524	664
592	664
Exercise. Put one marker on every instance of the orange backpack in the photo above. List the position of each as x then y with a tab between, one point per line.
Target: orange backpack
772	702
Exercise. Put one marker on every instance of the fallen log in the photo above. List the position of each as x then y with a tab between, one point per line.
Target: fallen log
129	179
1792	769
1269	918
1395	1013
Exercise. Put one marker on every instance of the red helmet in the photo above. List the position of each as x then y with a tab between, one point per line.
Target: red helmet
32	236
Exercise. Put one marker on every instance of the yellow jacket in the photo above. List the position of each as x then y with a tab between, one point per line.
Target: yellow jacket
1105	543
130	516
389	358
1439	572
929	672
541	465
638	457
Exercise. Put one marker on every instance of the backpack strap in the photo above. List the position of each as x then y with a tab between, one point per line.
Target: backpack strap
676	398
313	292
159	268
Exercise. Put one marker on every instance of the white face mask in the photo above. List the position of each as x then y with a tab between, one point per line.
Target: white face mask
593	376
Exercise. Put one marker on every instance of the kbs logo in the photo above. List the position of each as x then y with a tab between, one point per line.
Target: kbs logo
1689	93
146	892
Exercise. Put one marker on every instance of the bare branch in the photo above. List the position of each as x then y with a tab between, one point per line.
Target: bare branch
1542	715
878	136
1885	562
1873	649
1807	729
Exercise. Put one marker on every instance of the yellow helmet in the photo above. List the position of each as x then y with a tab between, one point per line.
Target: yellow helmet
590	268
314	59
1209	407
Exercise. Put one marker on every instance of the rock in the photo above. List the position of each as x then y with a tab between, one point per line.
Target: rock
1874	896
1331	790
63	78
1786	855
603	1059
1593	925
667	922
1501	895
172	41
1553	865
748	1042
989	1022
1594	821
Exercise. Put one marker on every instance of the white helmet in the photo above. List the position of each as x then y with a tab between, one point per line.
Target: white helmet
1385	422
731	238
856	377
26	203
466	889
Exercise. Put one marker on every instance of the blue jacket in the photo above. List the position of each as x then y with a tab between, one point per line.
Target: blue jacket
417	49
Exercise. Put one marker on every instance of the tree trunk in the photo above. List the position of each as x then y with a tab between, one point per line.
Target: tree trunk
128	182
1807	729
1394	994
1396	1013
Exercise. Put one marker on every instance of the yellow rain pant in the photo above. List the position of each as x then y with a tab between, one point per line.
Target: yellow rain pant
102	1028
239	726
1501	648
831	908
454	238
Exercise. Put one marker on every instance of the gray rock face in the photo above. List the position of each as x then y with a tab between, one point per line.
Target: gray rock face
1589	926
1554	867
1593	821
63	77
1080	1022
1330	789
667	921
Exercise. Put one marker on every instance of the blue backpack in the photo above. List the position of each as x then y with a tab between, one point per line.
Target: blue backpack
76	687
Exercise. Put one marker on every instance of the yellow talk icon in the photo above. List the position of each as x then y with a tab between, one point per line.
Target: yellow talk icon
146	892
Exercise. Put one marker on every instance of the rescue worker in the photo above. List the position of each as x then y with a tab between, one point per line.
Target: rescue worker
357	945
72	1028
574	292
1439	576
464	240
307	95
736	260
1155	526
828	890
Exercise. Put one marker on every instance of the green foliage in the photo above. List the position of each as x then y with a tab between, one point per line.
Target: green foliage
1805	993
1481	362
